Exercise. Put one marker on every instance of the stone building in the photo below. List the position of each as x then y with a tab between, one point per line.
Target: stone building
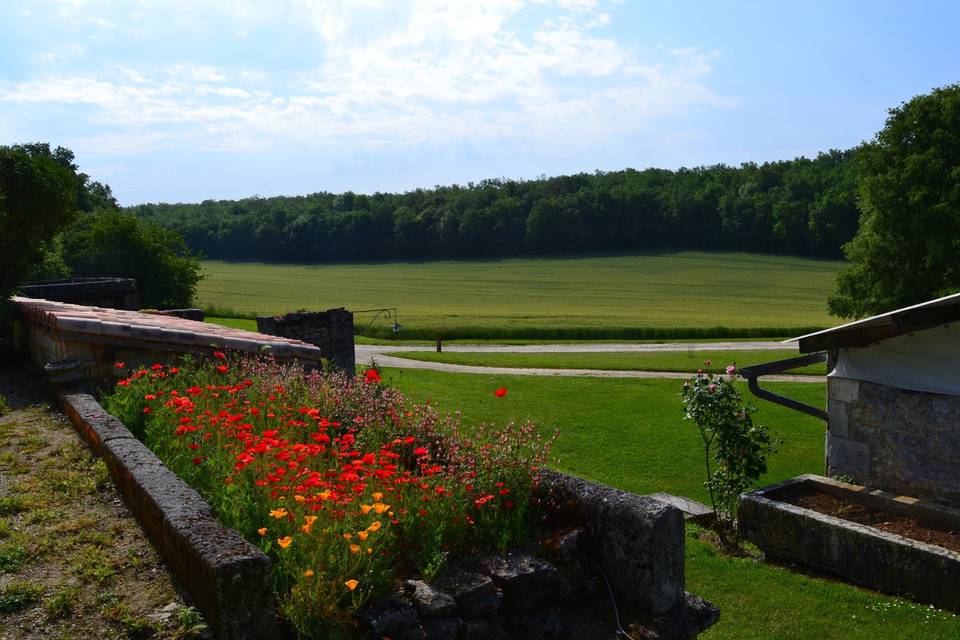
893	399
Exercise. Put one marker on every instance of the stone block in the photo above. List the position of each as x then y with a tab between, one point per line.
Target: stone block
428	601
849	458
838	422
525	580
636	540
95	425
843	389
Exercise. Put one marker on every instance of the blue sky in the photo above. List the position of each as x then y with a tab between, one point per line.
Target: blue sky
185	100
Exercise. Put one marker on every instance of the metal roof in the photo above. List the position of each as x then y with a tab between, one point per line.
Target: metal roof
886	325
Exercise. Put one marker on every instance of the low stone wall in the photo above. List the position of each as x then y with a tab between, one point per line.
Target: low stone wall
227	578
607	548
857	552
110	293
902	441
331	331
91	339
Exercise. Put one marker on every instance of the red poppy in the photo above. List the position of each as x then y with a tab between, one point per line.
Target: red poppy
119	365
420	451
222	368
219	355
372	375
500	392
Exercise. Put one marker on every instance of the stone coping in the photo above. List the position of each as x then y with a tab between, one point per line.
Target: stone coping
116	326
856	552
227	578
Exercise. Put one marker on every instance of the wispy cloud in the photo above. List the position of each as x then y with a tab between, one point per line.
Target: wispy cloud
438	72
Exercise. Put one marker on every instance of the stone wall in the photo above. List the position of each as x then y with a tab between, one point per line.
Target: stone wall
109	293
907	442
331	330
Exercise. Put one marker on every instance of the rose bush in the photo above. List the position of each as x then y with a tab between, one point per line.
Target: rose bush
735	449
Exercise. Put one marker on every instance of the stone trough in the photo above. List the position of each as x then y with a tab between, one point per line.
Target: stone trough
862	554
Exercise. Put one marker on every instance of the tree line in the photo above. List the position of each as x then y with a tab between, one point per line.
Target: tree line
56	222
802	207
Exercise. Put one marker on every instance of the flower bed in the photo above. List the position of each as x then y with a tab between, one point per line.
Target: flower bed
863	554
340	482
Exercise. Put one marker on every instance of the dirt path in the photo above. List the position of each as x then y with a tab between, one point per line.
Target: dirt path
74	563
599	347
384	360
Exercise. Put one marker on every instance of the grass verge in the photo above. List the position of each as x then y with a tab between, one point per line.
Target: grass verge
73	561
689	361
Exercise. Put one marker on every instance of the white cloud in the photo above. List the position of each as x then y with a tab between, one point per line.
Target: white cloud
438	72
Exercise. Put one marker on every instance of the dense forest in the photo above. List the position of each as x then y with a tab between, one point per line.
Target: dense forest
803	207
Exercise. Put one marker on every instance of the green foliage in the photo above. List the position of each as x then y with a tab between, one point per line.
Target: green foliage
108	242
38	195
735	449
803	206
18	595
908	247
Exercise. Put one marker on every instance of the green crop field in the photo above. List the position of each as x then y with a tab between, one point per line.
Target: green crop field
690	360
647	295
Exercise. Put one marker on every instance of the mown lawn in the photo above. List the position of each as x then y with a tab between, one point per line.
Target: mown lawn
590	296
690	360
629	434
624	432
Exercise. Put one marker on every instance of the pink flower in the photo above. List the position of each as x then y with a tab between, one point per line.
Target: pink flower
731	369
712	388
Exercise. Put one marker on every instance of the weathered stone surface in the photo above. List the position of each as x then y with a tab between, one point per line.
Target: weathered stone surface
196	315
692	510
388	615
569	545
485	605
482	630
428	601
226	576
636	540
857	552
331	331
433	629
849	458
524	579
114	293
901	441
463	585
684	621
95	424
536	625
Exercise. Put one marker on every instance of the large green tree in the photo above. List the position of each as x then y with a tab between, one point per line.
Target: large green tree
108	242
38	198
907	249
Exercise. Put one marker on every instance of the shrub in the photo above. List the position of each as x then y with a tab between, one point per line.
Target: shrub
343	484
735	449
111	243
